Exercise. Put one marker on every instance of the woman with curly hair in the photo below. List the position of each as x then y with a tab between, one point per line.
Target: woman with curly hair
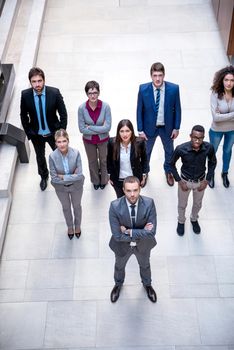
222	109
126	156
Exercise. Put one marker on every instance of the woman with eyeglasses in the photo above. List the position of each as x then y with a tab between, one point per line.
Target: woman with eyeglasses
94	119
126	156
222	109
67	179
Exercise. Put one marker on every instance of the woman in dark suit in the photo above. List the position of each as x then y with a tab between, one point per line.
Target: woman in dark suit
126	156
67	179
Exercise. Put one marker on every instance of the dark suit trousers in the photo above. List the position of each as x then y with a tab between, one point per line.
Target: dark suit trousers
39	143
118	187
144	265
167	145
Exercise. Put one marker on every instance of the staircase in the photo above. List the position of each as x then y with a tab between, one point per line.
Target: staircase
20	28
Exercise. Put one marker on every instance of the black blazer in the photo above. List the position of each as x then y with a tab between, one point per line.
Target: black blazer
139	163
54	104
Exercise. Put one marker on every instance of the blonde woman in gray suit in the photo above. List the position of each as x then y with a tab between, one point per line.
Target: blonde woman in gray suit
67	179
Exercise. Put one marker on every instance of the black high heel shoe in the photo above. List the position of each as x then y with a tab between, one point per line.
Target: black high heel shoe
70	235
77	234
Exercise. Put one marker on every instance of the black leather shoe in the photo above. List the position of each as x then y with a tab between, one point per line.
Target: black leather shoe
96	187
180	229
115	293
43	183
70	235
211	183
170	179
226	182
196	227
77	234
151	293
102	187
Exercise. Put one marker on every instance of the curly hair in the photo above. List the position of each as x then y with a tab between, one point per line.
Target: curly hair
218	86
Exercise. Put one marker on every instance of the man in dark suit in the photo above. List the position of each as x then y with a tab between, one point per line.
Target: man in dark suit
159	114
38	112
133	226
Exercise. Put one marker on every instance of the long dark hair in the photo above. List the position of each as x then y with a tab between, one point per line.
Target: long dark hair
218	81
116	145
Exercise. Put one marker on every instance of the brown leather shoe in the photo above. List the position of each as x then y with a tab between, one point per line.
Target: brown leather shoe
170	179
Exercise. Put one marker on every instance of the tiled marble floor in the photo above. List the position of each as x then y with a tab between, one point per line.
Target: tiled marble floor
55	292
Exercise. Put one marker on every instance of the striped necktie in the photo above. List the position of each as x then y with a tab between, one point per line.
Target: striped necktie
157	101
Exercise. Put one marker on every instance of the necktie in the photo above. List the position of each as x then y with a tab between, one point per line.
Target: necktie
133	215
157	101
41	113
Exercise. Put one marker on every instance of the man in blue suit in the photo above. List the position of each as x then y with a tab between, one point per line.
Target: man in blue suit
159	114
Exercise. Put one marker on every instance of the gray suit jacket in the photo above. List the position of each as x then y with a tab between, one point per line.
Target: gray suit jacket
56	167
119	216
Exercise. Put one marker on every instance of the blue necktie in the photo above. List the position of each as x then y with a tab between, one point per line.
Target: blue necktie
157	101
133	215
41	113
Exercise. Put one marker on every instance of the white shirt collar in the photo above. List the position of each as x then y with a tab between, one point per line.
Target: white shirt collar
42	93
129	204
162	87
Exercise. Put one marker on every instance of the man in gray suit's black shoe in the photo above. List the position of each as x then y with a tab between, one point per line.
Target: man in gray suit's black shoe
133	226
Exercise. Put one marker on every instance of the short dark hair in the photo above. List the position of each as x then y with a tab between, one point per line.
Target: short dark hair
157	67
92	85
198	128
130	180
36	71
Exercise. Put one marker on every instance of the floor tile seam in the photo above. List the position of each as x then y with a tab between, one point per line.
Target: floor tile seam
132	35
45	325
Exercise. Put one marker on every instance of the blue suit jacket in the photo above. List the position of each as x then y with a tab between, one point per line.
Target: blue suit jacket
146	111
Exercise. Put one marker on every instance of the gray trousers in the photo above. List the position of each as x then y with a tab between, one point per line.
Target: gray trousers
183	201
96	155
68	199
144	265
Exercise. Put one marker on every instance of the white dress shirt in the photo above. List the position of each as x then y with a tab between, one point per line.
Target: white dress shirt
125	163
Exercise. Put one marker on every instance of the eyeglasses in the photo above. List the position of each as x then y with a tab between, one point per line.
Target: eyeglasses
95	93
197	138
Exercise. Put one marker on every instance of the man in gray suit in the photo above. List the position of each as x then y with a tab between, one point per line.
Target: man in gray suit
133	226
